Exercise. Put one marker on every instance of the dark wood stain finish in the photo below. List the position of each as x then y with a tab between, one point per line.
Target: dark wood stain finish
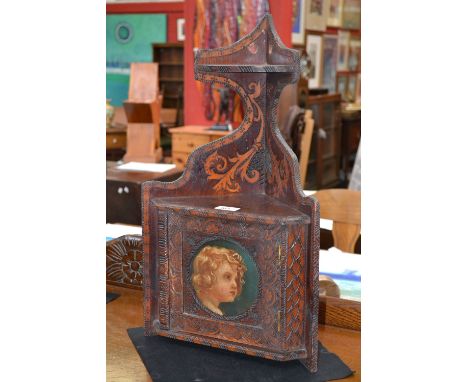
252	169
124	267
124	261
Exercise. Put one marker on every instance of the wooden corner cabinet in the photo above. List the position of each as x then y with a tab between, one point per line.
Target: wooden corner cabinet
170	57
231	248
324	164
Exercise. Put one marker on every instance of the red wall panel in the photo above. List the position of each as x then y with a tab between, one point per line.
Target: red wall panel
173	11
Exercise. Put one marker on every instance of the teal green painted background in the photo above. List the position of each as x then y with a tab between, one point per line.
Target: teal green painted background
147	29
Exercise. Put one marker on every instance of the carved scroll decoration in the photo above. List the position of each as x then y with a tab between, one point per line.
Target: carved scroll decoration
225	170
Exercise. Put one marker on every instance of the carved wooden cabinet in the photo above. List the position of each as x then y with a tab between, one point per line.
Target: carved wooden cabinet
231	247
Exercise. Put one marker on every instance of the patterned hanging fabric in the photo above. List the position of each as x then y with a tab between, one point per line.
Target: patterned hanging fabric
220	23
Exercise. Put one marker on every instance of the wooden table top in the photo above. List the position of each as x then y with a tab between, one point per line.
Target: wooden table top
112	173
124	363
197	129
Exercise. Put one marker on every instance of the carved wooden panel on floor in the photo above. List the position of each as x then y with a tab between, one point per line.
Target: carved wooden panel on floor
124	261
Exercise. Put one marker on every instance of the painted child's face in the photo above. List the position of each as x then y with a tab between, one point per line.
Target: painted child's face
225	287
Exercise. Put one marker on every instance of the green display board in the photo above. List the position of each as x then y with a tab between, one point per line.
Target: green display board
129	38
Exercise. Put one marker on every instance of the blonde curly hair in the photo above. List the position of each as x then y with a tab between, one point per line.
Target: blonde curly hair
207	262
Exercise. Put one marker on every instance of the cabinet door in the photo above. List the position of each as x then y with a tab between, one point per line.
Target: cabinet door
258	319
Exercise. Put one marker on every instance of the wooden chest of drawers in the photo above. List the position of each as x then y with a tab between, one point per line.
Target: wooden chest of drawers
185	139
116	143
116	138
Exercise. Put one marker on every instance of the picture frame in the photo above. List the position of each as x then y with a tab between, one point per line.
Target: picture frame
343	50
335	13
351	14
298	27
330	58
316	14
357	98
354	56
342	85
180	29
351	88
314	51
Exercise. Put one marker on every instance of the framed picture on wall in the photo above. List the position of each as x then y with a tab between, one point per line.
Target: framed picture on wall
317	14
298	22
180	29
314	51
352	14
351	88
342	85
335	13
358	89
354	56
343	50
330	57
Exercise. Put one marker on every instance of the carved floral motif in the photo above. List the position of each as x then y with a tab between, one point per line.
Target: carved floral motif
225	170
124	261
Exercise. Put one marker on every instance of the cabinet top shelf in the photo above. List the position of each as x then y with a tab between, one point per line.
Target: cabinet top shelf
265	68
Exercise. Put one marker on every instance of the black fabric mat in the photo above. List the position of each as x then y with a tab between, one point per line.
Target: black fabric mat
111	296
169	360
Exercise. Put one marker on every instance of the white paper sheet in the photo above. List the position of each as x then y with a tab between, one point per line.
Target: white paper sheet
150	167
116	230
334	261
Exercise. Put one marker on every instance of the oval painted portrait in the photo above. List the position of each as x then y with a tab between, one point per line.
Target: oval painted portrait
224	277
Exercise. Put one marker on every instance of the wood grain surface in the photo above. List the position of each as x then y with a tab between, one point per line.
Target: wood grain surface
343	206
255	164
124	363
340	312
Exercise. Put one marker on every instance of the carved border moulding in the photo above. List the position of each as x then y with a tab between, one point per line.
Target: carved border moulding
231	247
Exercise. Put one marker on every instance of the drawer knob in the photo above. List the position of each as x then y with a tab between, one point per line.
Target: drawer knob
126	190
114	140
119	190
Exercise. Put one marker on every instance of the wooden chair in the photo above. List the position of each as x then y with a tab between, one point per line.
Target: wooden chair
306	142
292	126
297	132
343	206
